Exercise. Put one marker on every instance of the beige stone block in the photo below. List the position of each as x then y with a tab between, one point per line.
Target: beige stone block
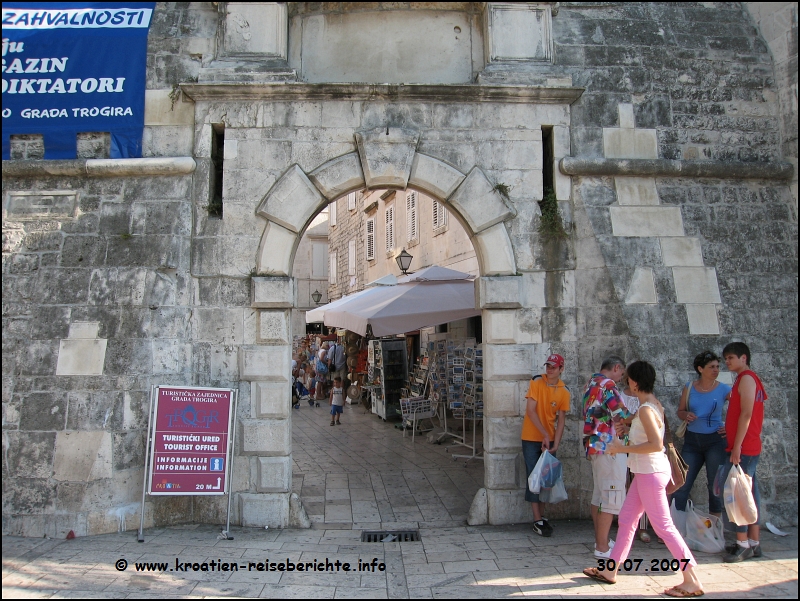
498	292
725	377
434	177
508	507
625	111
702	319
265	363
84	329
646	222
519	32
529	326
276	250
494	250
533	289
621	143
274	474
82	456
202	141
501	470
681	252
273	327
386	158
500	327
636	191
81	357
264	510
256	28
561	148
292	201
271	400
478	203
266	437
273	292
171	357
502	398
159	109
338	176
696	285
642	289
502	434
508	361
218	325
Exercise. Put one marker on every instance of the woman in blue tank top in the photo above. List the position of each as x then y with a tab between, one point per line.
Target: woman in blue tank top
701	405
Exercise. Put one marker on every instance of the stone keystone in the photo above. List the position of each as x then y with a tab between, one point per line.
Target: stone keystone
479	203
386	156
292	201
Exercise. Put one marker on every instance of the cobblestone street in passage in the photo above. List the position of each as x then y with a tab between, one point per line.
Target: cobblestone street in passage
366	472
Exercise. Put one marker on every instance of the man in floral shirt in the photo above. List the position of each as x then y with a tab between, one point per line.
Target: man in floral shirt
602	406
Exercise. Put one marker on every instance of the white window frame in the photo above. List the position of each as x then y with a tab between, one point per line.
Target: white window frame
332	269
351	201
389	222
332	214
439	216
351	257
412	217
369	243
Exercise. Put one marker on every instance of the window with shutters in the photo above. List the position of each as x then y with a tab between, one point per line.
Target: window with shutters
332	270
369	243
439	216
412	223
332	213
351	201
351	257
389	229
319	260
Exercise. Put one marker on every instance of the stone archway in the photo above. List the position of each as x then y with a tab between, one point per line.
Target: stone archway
386	158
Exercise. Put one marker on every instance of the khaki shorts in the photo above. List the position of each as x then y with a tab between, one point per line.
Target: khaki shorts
609	473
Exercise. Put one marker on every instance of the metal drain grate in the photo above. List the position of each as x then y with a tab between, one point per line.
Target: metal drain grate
400	536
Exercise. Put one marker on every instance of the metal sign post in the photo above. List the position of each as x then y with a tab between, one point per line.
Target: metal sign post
190	444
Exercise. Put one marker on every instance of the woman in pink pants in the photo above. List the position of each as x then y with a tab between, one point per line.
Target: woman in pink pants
646	459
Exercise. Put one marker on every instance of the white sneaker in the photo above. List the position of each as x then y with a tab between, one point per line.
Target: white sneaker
610	544
601	555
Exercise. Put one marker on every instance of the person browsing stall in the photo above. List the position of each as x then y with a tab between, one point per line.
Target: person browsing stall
652	471
547	405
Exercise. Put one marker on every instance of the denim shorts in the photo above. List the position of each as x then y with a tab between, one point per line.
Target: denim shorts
531	451
336	409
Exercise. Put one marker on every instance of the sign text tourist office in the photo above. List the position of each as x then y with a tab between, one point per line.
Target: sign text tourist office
77	67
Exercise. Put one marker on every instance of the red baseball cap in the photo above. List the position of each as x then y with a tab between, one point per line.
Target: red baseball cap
556	360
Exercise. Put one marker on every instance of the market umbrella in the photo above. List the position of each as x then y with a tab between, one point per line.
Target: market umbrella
405	307
317	314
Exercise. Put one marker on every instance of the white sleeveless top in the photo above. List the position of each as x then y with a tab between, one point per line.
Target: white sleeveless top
647	463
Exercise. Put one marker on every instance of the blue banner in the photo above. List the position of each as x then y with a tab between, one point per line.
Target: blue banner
72	67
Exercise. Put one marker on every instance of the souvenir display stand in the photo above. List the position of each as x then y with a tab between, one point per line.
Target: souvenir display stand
387	374
472	408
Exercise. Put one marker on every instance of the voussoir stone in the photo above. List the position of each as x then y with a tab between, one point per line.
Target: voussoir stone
479	203
338	176
292	201
386	156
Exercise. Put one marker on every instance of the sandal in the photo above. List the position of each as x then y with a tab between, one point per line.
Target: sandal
644	536
333	423
596	574
677	591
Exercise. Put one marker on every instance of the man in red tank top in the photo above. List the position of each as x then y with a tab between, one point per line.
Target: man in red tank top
743	430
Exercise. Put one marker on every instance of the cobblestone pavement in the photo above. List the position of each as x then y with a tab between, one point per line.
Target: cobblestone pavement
459	562
365	471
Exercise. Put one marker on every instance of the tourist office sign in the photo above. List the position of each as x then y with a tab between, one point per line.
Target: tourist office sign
75	67
189	452
190	432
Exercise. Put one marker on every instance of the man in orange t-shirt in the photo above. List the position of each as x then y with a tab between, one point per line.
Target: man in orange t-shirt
547	402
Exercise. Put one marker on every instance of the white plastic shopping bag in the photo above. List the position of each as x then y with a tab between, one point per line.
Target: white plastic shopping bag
738	497
703	531
678	518
556	494
546	473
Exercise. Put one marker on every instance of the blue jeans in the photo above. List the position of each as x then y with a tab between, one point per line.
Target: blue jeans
699	449
531	451
748	463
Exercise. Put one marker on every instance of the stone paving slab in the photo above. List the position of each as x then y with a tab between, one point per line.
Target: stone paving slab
439	566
